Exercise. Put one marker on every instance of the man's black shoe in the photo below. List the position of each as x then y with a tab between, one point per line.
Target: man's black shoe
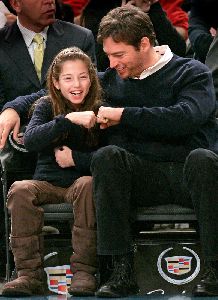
122	281
105	269
208	286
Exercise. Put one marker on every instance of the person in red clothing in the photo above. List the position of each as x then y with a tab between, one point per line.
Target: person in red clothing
77	5
177	16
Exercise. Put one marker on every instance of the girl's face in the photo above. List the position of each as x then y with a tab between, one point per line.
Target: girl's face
74	81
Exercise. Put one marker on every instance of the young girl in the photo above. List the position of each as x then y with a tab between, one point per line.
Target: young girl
63	132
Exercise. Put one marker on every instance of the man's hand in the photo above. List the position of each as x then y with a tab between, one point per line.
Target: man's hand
145	5
11	18
86	119
9	120
109	116
63	156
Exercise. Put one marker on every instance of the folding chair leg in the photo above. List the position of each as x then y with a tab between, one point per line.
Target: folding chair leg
4	187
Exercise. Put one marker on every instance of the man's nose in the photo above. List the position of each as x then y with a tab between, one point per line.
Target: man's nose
113	62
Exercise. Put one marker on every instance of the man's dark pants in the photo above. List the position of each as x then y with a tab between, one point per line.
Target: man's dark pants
122	182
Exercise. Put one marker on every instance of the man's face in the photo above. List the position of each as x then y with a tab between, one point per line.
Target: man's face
128	61
35	14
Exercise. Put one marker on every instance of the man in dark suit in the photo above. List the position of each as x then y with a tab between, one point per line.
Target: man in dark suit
17	72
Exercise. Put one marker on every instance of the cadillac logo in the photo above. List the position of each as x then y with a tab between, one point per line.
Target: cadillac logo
178	269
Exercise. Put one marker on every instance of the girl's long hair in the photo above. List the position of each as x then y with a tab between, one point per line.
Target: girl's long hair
61	105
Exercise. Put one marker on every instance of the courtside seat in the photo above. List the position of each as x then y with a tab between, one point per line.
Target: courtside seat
162	213
55	212
166	213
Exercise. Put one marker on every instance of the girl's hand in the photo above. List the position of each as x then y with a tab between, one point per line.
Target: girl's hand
86	119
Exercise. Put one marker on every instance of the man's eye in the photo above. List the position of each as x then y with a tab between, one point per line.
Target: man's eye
119	54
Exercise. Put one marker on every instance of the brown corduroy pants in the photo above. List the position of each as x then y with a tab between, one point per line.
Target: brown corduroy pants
24	203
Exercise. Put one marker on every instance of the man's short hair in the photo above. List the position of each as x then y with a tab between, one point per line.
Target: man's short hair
128	25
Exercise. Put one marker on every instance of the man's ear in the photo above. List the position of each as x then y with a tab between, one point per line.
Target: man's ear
16	5
145	44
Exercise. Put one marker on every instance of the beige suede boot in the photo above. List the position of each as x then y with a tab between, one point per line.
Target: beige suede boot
83	262
29	265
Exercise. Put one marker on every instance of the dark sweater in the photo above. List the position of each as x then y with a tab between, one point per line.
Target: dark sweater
167	114
44	133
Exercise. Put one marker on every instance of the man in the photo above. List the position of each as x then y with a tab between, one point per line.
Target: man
18	75
160	107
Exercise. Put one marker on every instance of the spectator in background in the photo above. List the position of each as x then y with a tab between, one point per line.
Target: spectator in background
203	22
77	5
18	75
212	63
7	16
177	16
64	12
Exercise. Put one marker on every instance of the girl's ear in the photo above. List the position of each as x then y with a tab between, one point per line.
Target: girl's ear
56	84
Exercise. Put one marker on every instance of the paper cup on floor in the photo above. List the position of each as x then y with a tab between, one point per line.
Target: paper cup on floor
59	279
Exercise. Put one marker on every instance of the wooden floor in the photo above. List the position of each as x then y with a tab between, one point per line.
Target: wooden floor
154	296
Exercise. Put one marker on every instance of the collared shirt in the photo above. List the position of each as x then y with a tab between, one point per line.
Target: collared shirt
28	36
165	56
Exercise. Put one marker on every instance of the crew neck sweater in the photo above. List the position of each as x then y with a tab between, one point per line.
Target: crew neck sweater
167	114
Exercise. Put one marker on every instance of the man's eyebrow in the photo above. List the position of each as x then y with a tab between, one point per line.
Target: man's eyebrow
115	53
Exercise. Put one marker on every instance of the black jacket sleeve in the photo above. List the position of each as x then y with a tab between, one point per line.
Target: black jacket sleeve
22	104
166	34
